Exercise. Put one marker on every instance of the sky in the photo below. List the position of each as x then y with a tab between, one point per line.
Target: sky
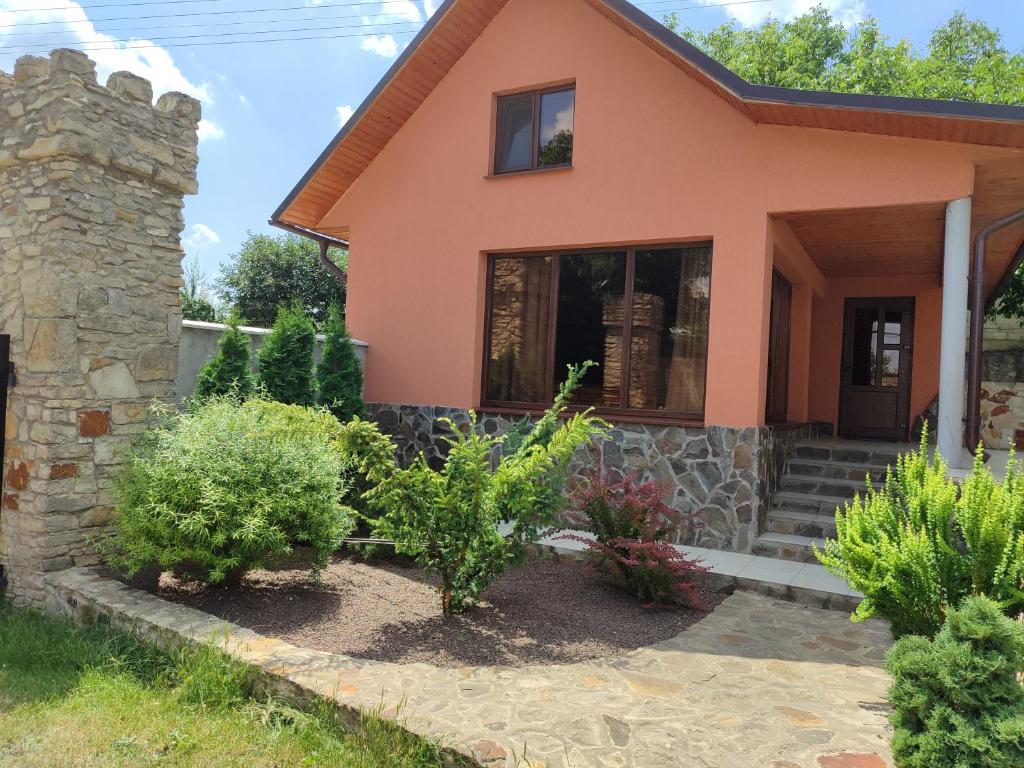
270	107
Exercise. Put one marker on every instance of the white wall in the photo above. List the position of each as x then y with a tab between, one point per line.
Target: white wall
199	343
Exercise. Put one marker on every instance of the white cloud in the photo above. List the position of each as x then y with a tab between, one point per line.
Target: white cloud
847	12
243	99
201	236
209	130
345	113
429	7
382	45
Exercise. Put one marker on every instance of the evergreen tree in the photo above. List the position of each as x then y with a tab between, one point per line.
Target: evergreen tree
286	358
340	375
228	371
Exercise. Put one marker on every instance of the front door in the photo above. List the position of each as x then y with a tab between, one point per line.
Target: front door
777	401
878	345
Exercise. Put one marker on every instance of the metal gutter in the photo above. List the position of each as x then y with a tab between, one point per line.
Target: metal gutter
977	306
324	241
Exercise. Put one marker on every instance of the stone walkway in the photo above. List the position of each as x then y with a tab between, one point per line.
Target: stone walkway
759	682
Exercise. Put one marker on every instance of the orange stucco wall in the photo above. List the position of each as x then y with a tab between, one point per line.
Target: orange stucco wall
658	158
827	338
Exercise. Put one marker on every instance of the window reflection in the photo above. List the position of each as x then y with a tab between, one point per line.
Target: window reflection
556	125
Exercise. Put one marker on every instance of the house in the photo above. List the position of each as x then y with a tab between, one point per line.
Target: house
541	182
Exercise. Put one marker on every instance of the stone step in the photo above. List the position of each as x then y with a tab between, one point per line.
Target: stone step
824	486
835	469
787	546
816	503
880	455
788	521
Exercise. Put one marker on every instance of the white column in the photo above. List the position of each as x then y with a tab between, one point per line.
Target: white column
953	358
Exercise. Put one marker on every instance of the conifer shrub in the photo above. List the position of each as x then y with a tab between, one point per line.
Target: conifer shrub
286	358
632	528
450	520
921	543
229	371
340	375
227	487
956	699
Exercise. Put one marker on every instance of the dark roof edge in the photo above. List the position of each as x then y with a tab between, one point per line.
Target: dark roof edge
722	75
410	49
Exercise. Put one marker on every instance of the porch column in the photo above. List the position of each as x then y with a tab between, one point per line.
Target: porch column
953	349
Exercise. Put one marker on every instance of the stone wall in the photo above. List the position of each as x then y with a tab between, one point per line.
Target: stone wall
91	186
200	340
723	475
1004	333
1002	414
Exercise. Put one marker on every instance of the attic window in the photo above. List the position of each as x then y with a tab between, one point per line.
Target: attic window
534	130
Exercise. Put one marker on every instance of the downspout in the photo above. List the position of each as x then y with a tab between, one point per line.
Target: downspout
325	243
977	306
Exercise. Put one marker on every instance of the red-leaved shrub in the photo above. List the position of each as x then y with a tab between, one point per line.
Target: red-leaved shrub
632	525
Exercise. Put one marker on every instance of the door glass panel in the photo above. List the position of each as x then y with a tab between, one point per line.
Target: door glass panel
891	368
864	346
520	308
591	294
893	327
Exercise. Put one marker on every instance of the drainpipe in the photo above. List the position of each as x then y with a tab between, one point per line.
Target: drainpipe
325	242
974	363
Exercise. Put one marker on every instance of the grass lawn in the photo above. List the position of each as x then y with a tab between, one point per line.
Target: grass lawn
96	697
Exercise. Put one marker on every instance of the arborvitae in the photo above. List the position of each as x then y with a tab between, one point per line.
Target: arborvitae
286	358
227	372
340	375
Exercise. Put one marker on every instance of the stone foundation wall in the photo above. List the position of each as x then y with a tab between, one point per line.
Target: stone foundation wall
91	186
723	475
1002	414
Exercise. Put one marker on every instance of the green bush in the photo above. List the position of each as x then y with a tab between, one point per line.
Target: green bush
922	543
339	374
227	372
449	519
286	358
370	457
227	487
957	701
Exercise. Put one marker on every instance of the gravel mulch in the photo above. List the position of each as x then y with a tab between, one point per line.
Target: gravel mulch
544	612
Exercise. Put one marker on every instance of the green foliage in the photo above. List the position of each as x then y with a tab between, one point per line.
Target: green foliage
921	543
449	520
956	699
226	487
370	459
286	358
195	303
229	371
269	272
339	374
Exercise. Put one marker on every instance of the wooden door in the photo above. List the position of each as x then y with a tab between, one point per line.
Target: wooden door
777	403
878	347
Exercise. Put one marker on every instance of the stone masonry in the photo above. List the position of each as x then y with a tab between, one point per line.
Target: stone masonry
91	186
723	475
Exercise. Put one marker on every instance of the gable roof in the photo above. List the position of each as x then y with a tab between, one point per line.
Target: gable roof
457	23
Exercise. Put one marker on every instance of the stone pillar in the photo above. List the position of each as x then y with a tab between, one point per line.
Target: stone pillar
953	340
91	186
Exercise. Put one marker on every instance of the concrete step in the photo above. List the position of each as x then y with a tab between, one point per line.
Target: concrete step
815	503
840	470
787	546
824	486
809	524
878	455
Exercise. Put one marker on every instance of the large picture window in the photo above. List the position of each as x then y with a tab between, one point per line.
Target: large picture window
534	130
640	313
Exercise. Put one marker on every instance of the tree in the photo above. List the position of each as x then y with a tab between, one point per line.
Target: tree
269	272
227	372
286	357
339	374
195	301
965	60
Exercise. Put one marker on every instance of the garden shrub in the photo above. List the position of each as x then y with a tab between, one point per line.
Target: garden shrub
449	519
632	525
339	375
370	457
229	371
228	486
286	358
956	699
922	543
